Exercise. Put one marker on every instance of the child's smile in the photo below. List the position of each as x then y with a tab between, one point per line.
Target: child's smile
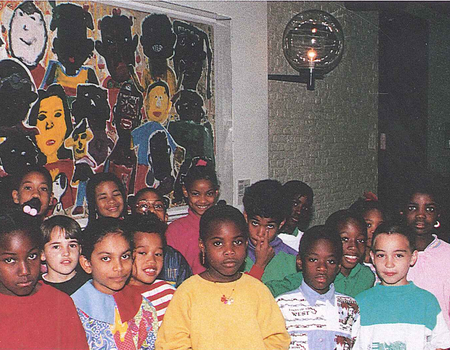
353	244
149	258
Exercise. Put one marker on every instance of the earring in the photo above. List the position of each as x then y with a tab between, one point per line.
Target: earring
203	258
437	224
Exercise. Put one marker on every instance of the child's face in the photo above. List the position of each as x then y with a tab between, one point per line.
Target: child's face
373	219
201	196
258	226
19	264
392	257
148	258
151	202
60	254
320	266
110	264
33	185
300	211
353	244
421	213
225	249
109	200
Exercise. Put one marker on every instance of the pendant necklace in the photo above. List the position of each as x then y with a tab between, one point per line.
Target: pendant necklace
224	299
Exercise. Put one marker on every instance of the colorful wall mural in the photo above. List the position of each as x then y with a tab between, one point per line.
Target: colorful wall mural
86	87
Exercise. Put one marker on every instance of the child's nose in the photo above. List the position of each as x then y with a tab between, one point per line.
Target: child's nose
389	262
65	251
24	269
118	266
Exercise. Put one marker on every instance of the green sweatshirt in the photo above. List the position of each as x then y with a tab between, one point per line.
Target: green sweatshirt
360	279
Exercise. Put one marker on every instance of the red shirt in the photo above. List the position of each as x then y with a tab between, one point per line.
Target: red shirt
47	319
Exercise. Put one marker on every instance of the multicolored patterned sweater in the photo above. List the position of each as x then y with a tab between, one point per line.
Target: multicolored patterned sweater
123	321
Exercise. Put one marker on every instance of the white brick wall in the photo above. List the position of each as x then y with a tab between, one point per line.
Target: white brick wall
322	137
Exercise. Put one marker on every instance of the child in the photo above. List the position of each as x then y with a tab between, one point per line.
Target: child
112	318
61	252
353	277
421	214
265	209
373	213
35	316
36	182
105	196
222	308
396	312
316	316
300	196
175	268
150	245
201	190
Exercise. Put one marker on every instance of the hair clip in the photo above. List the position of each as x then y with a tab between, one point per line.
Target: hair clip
370	196
201	162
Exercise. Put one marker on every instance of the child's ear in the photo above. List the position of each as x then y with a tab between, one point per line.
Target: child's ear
201	245
43	256
298	261
245	216
85	264
281	224
414	257
185	192
15	196
372	256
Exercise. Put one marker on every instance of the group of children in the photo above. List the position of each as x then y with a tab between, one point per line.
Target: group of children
219	278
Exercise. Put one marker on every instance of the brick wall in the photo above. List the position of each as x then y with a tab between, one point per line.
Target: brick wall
326	137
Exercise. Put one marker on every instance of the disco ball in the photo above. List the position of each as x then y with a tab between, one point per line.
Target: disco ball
313	39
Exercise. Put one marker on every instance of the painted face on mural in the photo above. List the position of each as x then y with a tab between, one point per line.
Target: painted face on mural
127	111
71	44
190	106
17	153
91	103
118	46
157	102
79	139
190	54
17	92
28	34
158	38
52	127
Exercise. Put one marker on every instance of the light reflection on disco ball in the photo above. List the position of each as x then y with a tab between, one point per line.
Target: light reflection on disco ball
313	39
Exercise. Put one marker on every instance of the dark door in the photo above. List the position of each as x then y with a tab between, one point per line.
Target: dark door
403	74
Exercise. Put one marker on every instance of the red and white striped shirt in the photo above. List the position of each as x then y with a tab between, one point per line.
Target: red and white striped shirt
159	293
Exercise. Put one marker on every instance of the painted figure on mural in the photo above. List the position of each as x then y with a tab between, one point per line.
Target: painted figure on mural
17	92
17	153
118	47
51	116
158	41
91	103
191	51
28	38
159	156
192	131
78	141
72	47
127	116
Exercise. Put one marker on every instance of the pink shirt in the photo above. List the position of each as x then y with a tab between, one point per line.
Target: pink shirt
183	235
432	273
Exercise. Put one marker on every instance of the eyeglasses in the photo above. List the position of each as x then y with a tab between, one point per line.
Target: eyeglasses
145	206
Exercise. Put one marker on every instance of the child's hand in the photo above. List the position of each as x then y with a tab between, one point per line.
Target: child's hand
263	251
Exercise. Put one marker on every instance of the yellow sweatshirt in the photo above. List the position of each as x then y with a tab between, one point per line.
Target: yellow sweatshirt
199	319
